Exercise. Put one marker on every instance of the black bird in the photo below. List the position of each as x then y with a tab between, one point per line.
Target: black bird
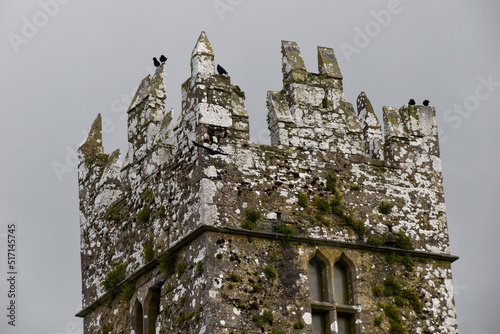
163	59
426	103
156	62
221	70
411	102
209	150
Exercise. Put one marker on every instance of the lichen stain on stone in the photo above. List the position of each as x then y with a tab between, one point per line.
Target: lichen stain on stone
201	196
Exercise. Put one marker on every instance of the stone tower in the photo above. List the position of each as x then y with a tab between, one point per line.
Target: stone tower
338	226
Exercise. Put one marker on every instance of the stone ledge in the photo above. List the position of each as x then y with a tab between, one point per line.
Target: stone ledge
263	235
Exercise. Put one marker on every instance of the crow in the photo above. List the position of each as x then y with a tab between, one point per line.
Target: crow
156	62
221	70
411	102
426	103
163	59
209	150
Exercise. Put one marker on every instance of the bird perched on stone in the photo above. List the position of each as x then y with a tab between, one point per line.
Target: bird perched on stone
426	103
209	150
156	62
163	59
411	102
221	70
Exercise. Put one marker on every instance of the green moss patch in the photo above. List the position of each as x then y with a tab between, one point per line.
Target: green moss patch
252	216
385	208
148	252
114	276
167	263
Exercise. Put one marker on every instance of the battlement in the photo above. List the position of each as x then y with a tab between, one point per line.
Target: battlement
332	176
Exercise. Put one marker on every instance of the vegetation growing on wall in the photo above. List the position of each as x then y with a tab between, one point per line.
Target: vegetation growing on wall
252	216
114	276
398	296
167	263
148	252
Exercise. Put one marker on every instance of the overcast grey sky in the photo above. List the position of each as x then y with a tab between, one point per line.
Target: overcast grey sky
64	61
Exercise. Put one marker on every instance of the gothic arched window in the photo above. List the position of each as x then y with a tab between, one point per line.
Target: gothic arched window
331	293
344	310
320	297
137	318
151	310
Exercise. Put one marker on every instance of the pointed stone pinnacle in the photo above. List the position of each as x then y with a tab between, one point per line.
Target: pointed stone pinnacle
202	46
202	58
93	143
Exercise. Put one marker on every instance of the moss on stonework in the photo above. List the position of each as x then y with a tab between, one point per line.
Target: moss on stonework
403	241
385	208
392	287
238	91
400	297
180	268
114	276
332	205
321	204
270	272
144	215
267	317
252	216
331	183
406	260
167	263
148	196
303	201
162	212
354	187
377	291
288	231
298	325
128	291
199	268
106	329
257	287
113	213
233	277
375	241
148	252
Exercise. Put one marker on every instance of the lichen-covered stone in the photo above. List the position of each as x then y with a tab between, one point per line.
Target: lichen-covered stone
233	224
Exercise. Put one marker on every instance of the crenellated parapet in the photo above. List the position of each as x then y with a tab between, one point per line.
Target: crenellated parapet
196	213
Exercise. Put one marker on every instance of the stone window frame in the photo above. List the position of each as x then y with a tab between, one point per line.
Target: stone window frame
329	307
144	315
137	317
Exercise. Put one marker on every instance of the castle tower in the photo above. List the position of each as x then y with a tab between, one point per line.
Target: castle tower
338	226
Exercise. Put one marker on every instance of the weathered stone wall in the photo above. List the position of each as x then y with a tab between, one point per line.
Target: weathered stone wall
332	182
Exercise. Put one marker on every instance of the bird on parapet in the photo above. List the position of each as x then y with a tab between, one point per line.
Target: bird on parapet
163	59
221	70
156	62
209	150
411	102
426	103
